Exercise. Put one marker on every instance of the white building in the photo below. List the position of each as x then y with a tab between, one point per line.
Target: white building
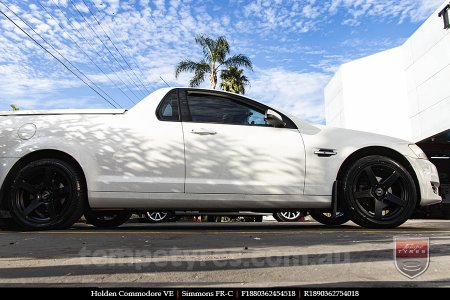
402	92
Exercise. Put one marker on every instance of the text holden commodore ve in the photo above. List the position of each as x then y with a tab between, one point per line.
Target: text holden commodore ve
194	149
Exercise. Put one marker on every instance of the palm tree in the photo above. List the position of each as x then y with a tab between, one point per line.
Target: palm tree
215	52
233	80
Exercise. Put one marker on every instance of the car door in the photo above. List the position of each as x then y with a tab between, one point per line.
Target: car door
231	149
149	156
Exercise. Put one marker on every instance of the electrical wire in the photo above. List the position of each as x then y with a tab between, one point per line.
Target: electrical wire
98	54
61	62
110	40
84	52
123	45
106	47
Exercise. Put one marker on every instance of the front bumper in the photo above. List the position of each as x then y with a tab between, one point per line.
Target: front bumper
428	178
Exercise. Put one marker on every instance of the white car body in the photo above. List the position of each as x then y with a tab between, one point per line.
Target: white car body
133	160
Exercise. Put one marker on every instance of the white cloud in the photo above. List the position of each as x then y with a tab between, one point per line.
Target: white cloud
155	35
412	10
297	93
21	82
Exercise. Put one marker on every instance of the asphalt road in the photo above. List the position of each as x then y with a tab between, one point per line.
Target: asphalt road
219	254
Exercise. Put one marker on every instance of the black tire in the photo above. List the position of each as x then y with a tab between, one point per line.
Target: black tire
47	194
325	217
288	216
379	192
106	219
161	216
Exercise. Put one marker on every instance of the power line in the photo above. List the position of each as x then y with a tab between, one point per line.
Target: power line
164	81
81	49
123	45
45	49
106	47
51	46
98	54
109	38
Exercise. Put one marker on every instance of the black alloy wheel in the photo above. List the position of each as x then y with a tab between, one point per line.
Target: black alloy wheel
379	192
47	194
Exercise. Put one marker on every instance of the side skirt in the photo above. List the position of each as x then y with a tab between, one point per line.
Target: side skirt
218	202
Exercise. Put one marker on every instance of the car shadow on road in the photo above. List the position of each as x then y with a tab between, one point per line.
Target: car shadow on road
266	226
96	263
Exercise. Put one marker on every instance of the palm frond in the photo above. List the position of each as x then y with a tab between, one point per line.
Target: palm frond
233	80
207	44
190	66
198	78
222	49
239	60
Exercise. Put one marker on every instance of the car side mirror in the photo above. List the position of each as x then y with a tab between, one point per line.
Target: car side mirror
274	118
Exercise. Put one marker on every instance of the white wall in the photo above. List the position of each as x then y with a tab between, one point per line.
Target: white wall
403	92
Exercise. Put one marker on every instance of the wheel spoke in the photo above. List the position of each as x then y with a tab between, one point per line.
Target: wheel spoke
61	192
388	182
363	194
51	209
28	188
378	209
48	177
32	207
395	200
372	178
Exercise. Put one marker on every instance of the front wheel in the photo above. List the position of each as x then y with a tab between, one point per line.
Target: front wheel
106	219
379	192
47	194
326	217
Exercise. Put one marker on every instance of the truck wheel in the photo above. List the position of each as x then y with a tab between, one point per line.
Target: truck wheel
379	192
47	194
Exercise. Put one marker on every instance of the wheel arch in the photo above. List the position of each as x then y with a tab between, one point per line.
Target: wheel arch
33	156
384	151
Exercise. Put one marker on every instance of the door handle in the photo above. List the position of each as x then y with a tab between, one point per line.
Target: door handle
203	132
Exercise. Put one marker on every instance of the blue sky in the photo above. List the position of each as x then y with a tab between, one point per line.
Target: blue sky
296	46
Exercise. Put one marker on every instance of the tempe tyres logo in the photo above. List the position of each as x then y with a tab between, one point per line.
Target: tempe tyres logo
411	255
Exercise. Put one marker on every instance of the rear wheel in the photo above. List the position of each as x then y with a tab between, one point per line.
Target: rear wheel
106	219
379	192
47	194
326	217
288	216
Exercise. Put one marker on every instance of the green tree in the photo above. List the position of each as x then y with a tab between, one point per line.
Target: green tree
233	80
215	57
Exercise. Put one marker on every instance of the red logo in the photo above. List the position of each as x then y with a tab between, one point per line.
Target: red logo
411	255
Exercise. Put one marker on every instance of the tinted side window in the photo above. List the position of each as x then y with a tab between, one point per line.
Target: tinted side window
168	110
211	109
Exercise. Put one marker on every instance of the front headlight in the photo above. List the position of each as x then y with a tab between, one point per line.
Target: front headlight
417	151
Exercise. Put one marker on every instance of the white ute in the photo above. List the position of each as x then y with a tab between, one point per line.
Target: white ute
195	149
